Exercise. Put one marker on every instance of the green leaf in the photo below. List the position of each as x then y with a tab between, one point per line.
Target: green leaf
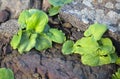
37	21
43	20
67	47
59	2
54	10
88	43
96	31
80	50
106	59
106	43
113	57
31	42
32	21
43	42
22	18
16	39
106	46
46	29
27	42
90	59
116	75
118	61
56	35
83	50
6	73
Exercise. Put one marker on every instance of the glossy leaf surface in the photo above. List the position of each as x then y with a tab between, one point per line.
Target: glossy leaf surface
6	73
54	10
27	42
96	31
43	42
57	36
68	47
16	39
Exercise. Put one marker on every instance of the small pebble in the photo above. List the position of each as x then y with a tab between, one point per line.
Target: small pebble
117	5
109	5
36	75
85	20
67	25
88	3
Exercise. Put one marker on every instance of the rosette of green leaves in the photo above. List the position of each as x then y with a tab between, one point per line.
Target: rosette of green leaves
97	54
6	73
35	33
94	49
56	6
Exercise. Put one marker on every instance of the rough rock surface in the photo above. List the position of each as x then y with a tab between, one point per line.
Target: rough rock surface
16	6
9	28
81	13
4	16
52	65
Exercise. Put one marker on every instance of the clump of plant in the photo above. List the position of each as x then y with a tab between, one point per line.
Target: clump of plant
116	75
94	49
34	32
6	73
56	6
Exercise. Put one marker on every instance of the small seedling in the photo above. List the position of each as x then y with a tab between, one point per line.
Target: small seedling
34	32
93	48
56	6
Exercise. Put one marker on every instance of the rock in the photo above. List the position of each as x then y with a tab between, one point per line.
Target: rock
16	6
4	46
118	0
86	14
36	4
36	65
100	1
109	5
4	16
81	13
117	5
9	28
76	35
88	3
